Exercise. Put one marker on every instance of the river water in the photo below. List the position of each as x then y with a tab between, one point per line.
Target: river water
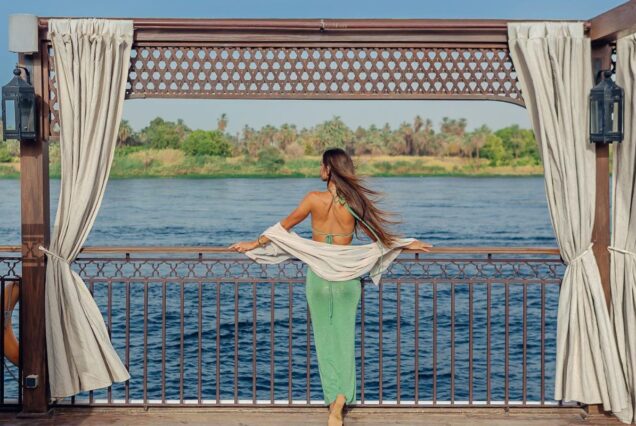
445	211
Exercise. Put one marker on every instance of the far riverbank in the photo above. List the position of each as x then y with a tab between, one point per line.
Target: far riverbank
173	163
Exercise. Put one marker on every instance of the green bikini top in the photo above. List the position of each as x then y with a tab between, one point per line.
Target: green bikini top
329	235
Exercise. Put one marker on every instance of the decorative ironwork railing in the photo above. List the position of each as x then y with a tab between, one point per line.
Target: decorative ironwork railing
457	327
10	272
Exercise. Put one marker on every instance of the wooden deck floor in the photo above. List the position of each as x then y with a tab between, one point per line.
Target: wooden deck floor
309	417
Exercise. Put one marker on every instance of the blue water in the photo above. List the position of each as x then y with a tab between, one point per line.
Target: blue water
445	211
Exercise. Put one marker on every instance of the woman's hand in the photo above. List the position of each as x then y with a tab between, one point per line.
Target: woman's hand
419	245
243	246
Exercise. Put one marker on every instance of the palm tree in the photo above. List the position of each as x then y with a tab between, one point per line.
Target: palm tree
287	134
410	133
425	139
221	122
124	134
407	138
477	139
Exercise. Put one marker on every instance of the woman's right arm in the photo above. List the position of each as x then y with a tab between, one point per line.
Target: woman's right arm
294	218
300	213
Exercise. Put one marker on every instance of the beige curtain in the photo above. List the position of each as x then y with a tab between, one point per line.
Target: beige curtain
553	64
91	64
623	248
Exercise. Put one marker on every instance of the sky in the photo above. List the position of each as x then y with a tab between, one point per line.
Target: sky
257	113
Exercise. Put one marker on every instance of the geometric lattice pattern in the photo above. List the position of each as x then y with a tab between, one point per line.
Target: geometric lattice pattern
548	268
317	73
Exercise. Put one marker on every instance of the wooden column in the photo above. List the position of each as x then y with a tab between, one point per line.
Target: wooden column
34	197
601	59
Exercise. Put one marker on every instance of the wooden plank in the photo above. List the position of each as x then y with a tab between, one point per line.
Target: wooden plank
318	416
614	23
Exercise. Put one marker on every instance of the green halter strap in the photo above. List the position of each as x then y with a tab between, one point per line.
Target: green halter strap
342	201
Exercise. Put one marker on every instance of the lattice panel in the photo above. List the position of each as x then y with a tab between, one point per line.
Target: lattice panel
54	106
318	73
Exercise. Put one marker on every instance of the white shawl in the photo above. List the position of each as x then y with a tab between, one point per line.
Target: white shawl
334	262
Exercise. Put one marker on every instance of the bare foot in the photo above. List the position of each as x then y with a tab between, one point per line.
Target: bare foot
335	413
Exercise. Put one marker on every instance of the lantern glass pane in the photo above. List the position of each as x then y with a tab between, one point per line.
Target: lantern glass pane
9	111
596	116
28	115
615	116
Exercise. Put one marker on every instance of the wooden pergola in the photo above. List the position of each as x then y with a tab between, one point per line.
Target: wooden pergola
288	59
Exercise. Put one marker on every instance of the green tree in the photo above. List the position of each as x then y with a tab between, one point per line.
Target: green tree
126	136
286	135
425	138
476	140
270	159
203	142
451	139
519	142
5	155
494	150
410	135
164	134
332	133
373	141
9	148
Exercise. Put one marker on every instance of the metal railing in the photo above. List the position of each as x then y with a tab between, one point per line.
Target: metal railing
199	326
11	378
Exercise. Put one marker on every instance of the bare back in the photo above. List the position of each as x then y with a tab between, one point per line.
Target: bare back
331	222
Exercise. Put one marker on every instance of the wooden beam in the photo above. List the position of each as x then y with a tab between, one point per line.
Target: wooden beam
614	23
321	32
34	196
601	59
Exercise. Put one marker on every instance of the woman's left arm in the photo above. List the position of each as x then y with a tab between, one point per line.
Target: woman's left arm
294	218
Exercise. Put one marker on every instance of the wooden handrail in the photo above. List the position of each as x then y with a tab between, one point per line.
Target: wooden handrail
209	249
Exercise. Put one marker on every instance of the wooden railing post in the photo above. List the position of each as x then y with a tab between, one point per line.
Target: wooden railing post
34	197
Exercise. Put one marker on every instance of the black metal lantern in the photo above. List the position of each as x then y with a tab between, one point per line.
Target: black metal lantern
606	111
18	109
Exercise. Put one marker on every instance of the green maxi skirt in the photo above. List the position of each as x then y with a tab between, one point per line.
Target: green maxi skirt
333	306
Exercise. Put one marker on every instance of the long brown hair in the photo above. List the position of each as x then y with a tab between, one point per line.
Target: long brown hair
360	198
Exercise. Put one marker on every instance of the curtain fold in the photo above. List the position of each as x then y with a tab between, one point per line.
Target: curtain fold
623	242
91	63
553	64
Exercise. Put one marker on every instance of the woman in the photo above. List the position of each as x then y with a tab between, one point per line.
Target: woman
336	214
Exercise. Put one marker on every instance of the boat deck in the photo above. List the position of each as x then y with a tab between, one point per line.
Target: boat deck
310	417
